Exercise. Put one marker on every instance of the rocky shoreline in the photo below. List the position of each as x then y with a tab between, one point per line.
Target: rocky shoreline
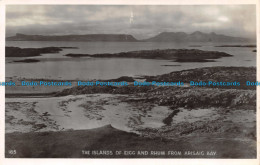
32	52
244	46
177	55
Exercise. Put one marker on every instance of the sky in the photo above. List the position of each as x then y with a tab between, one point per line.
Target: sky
141	21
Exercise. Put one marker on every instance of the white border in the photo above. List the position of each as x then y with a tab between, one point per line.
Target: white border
119	161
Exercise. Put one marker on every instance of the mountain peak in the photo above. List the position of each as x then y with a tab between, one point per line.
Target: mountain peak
196	36
19	34
197	32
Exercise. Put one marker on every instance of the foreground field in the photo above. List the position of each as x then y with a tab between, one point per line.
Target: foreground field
186	119
106	140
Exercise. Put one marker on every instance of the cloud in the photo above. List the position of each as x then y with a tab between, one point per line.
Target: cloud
147	21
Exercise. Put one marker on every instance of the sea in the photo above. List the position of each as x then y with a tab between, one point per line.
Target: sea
59	67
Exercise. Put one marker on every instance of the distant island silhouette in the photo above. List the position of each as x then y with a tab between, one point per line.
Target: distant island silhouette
162	37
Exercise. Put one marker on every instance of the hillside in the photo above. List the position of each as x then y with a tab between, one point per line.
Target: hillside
193	37
89	37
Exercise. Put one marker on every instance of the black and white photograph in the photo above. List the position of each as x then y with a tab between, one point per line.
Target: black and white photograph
131	81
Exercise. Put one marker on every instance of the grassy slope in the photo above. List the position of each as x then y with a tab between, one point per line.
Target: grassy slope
71	143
